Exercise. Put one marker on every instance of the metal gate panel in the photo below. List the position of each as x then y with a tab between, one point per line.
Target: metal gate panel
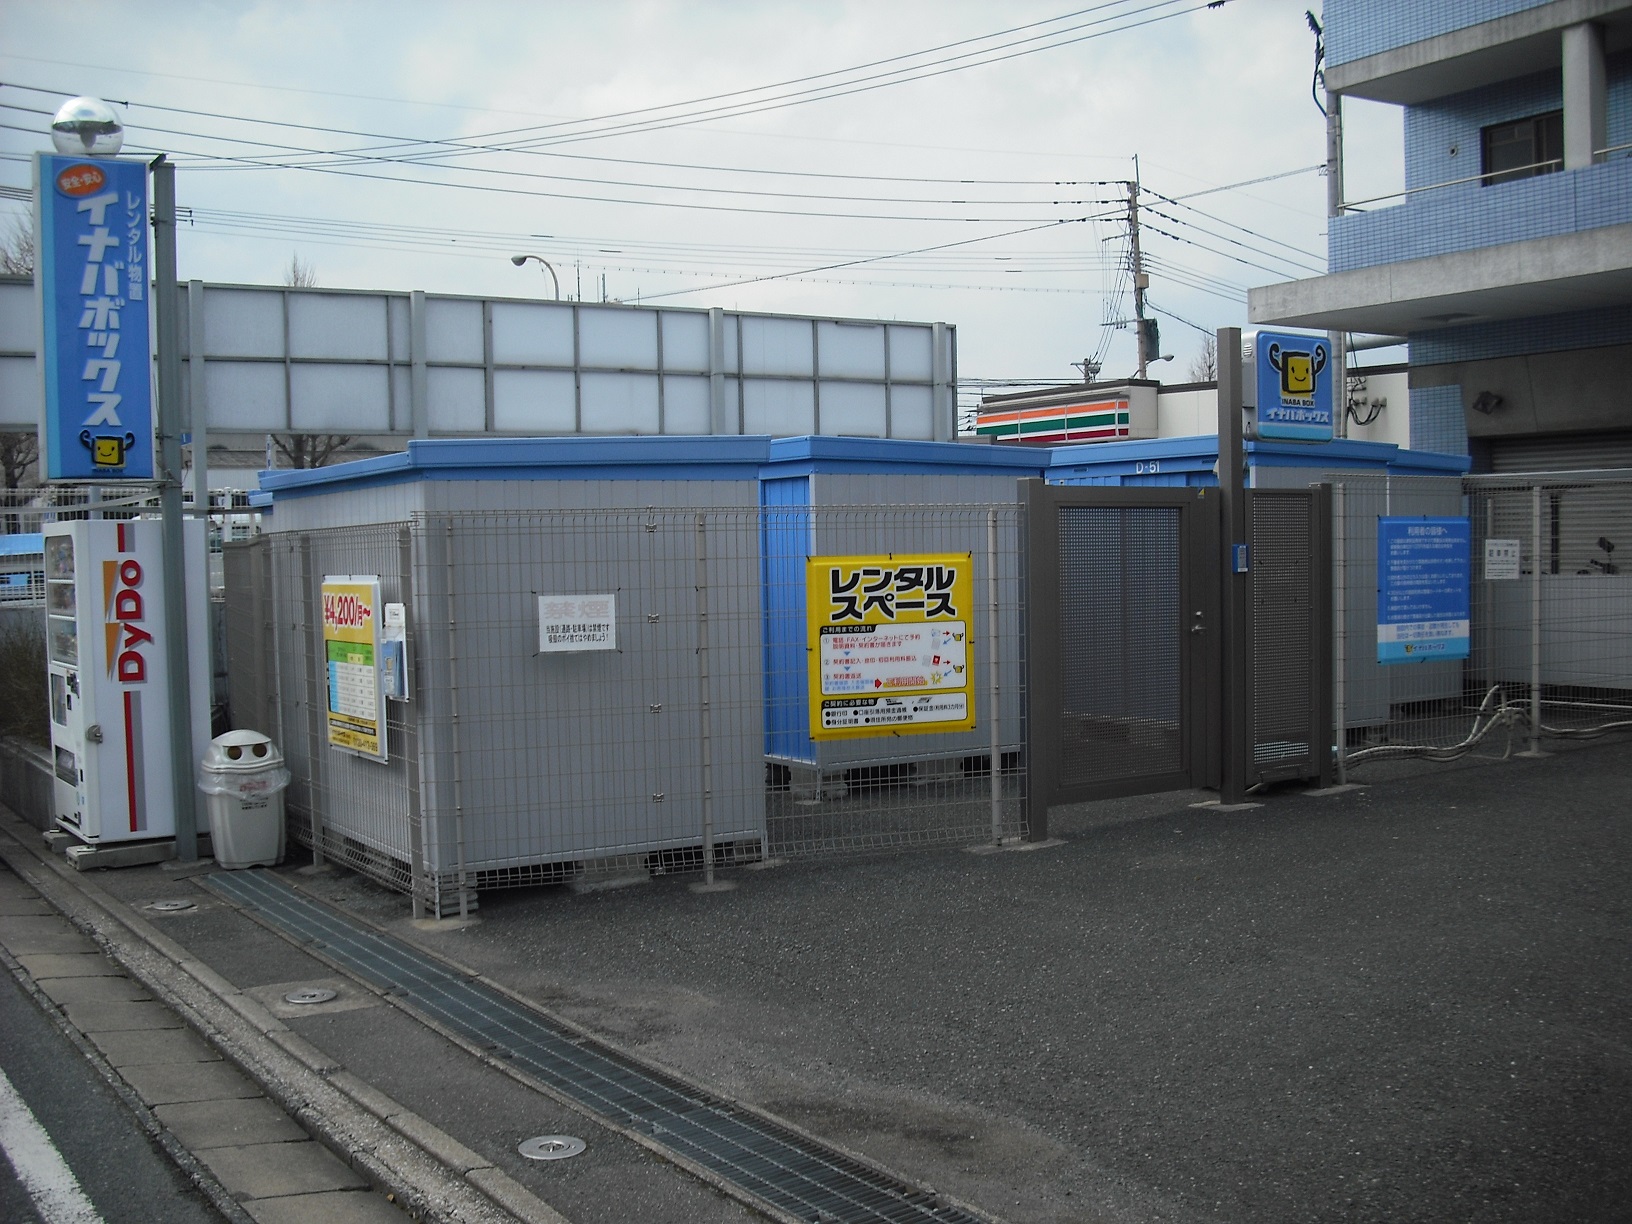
1121	625
1119	613
1291	638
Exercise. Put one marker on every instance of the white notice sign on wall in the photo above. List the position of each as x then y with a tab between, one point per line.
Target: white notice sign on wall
577	622
1501	559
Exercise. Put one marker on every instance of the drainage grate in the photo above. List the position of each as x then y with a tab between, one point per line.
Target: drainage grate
785	1170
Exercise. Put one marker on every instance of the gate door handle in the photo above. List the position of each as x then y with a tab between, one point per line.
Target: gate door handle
1198	627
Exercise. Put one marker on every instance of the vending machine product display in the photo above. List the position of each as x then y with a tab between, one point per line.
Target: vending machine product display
109	679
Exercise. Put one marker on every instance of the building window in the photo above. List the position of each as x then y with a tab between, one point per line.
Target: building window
1524	148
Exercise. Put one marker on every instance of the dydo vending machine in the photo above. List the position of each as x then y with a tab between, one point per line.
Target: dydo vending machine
110	687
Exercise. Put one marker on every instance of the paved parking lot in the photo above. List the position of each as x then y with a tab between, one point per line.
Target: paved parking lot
1407	1002
1411	1001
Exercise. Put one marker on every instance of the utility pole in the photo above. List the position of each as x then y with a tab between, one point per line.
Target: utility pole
166	315
1334	209
1141	281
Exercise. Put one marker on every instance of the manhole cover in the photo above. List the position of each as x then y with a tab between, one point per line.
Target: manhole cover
172	907
312	994
551	1147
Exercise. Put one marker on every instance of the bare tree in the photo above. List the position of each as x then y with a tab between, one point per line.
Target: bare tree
1204	365
306	450
299	274
17	247
19	449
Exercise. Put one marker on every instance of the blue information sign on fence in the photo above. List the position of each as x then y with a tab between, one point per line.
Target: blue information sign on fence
1423	571
1294	384
92	274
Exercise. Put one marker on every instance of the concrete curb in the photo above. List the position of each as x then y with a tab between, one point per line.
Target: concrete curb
431	1174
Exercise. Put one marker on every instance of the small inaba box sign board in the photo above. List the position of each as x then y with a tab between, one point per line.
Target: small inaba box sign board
889	645
1293	384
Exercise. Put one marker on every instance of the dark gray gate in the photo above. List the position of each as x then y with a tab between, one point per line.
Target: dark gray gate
1122	627
1291	637
1124	655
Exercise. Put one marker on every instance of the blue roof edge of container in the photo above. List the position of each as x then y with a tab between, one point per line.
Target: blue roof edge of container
808	453
700	457
1200	452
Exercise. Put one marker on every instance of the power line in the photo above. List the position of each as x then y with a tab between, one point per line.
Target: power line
872	259
543	153
841	89
566	178
1234	225
1245	246
1268	178
1201	246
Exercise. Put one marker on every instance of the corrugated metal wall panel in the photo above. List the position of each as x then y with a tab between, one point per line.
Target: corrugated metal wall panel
1574	453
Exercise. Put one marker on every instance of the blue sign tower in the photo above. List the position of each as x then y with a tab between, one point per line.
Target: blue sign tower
91	218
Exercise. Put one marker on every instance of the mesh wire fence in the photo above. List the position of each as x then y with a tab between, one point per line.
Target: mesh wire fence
682	744
1550	628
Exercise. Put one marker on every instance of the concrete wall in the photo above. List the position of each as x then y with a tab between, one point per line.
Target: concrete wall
25	782
1572	391
1358	28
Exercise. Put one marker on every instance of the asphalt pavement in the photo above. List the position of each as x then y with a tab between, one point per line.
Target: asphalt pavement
1406	1002
112	1164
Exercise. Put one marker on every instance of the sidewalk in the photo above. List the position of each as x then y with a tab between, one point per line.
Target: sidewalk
157	1022
246	1154
1411	1001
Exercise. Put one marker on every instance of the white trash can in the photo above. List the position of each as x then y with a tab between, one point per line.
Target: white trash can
243	778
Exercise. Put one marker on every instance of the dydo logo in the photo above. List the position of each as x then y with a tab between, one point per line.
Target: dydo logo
124	612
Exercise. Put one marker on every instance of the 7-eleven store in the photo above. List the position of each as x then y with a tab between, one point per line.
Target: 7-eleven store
1106	413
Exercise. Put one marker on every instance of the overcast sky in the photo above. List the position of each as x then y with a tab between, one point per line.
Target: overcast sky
1004	158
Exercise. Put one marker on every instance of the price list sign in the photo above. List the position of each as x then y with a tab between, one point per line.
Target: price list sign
1422	589
889	645
351	648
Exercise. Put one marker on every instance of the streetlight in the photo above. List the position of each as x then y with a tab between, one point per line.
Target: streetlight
555	283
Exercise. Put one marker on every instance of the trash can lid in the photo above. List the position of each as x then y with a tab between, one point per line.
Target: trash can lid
241	750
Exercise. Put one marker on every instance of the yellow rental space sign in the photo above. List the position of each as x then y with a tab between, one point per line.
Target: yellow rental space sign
889	644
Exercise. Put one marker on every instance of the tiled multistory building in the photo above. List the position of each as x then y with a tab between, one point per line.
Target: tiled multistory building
1507	262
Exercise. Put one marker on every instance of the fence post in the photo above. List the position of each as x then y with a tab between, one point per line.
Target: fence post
1535	621
316	694
454	740
705	720
991	655
410	736
1238	747
1340	629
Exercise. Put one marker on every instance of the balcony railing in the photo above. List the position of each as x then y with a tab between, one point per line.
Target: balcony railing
1550	166
1483	210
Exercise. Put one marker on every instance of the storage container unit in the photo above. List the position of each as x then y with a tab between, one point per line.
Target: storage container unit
828	496
514	758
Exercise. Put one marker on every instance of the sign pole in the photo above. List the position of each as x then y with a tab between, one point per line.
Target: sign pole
1236	604
166	301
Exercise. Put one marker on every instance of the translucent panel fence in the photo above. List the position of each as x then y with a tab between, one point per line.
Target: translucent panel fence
1549	654
618	691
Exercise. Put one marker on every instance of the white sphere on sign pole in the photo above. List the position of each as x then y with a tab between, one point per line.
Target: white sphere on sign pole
87	127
